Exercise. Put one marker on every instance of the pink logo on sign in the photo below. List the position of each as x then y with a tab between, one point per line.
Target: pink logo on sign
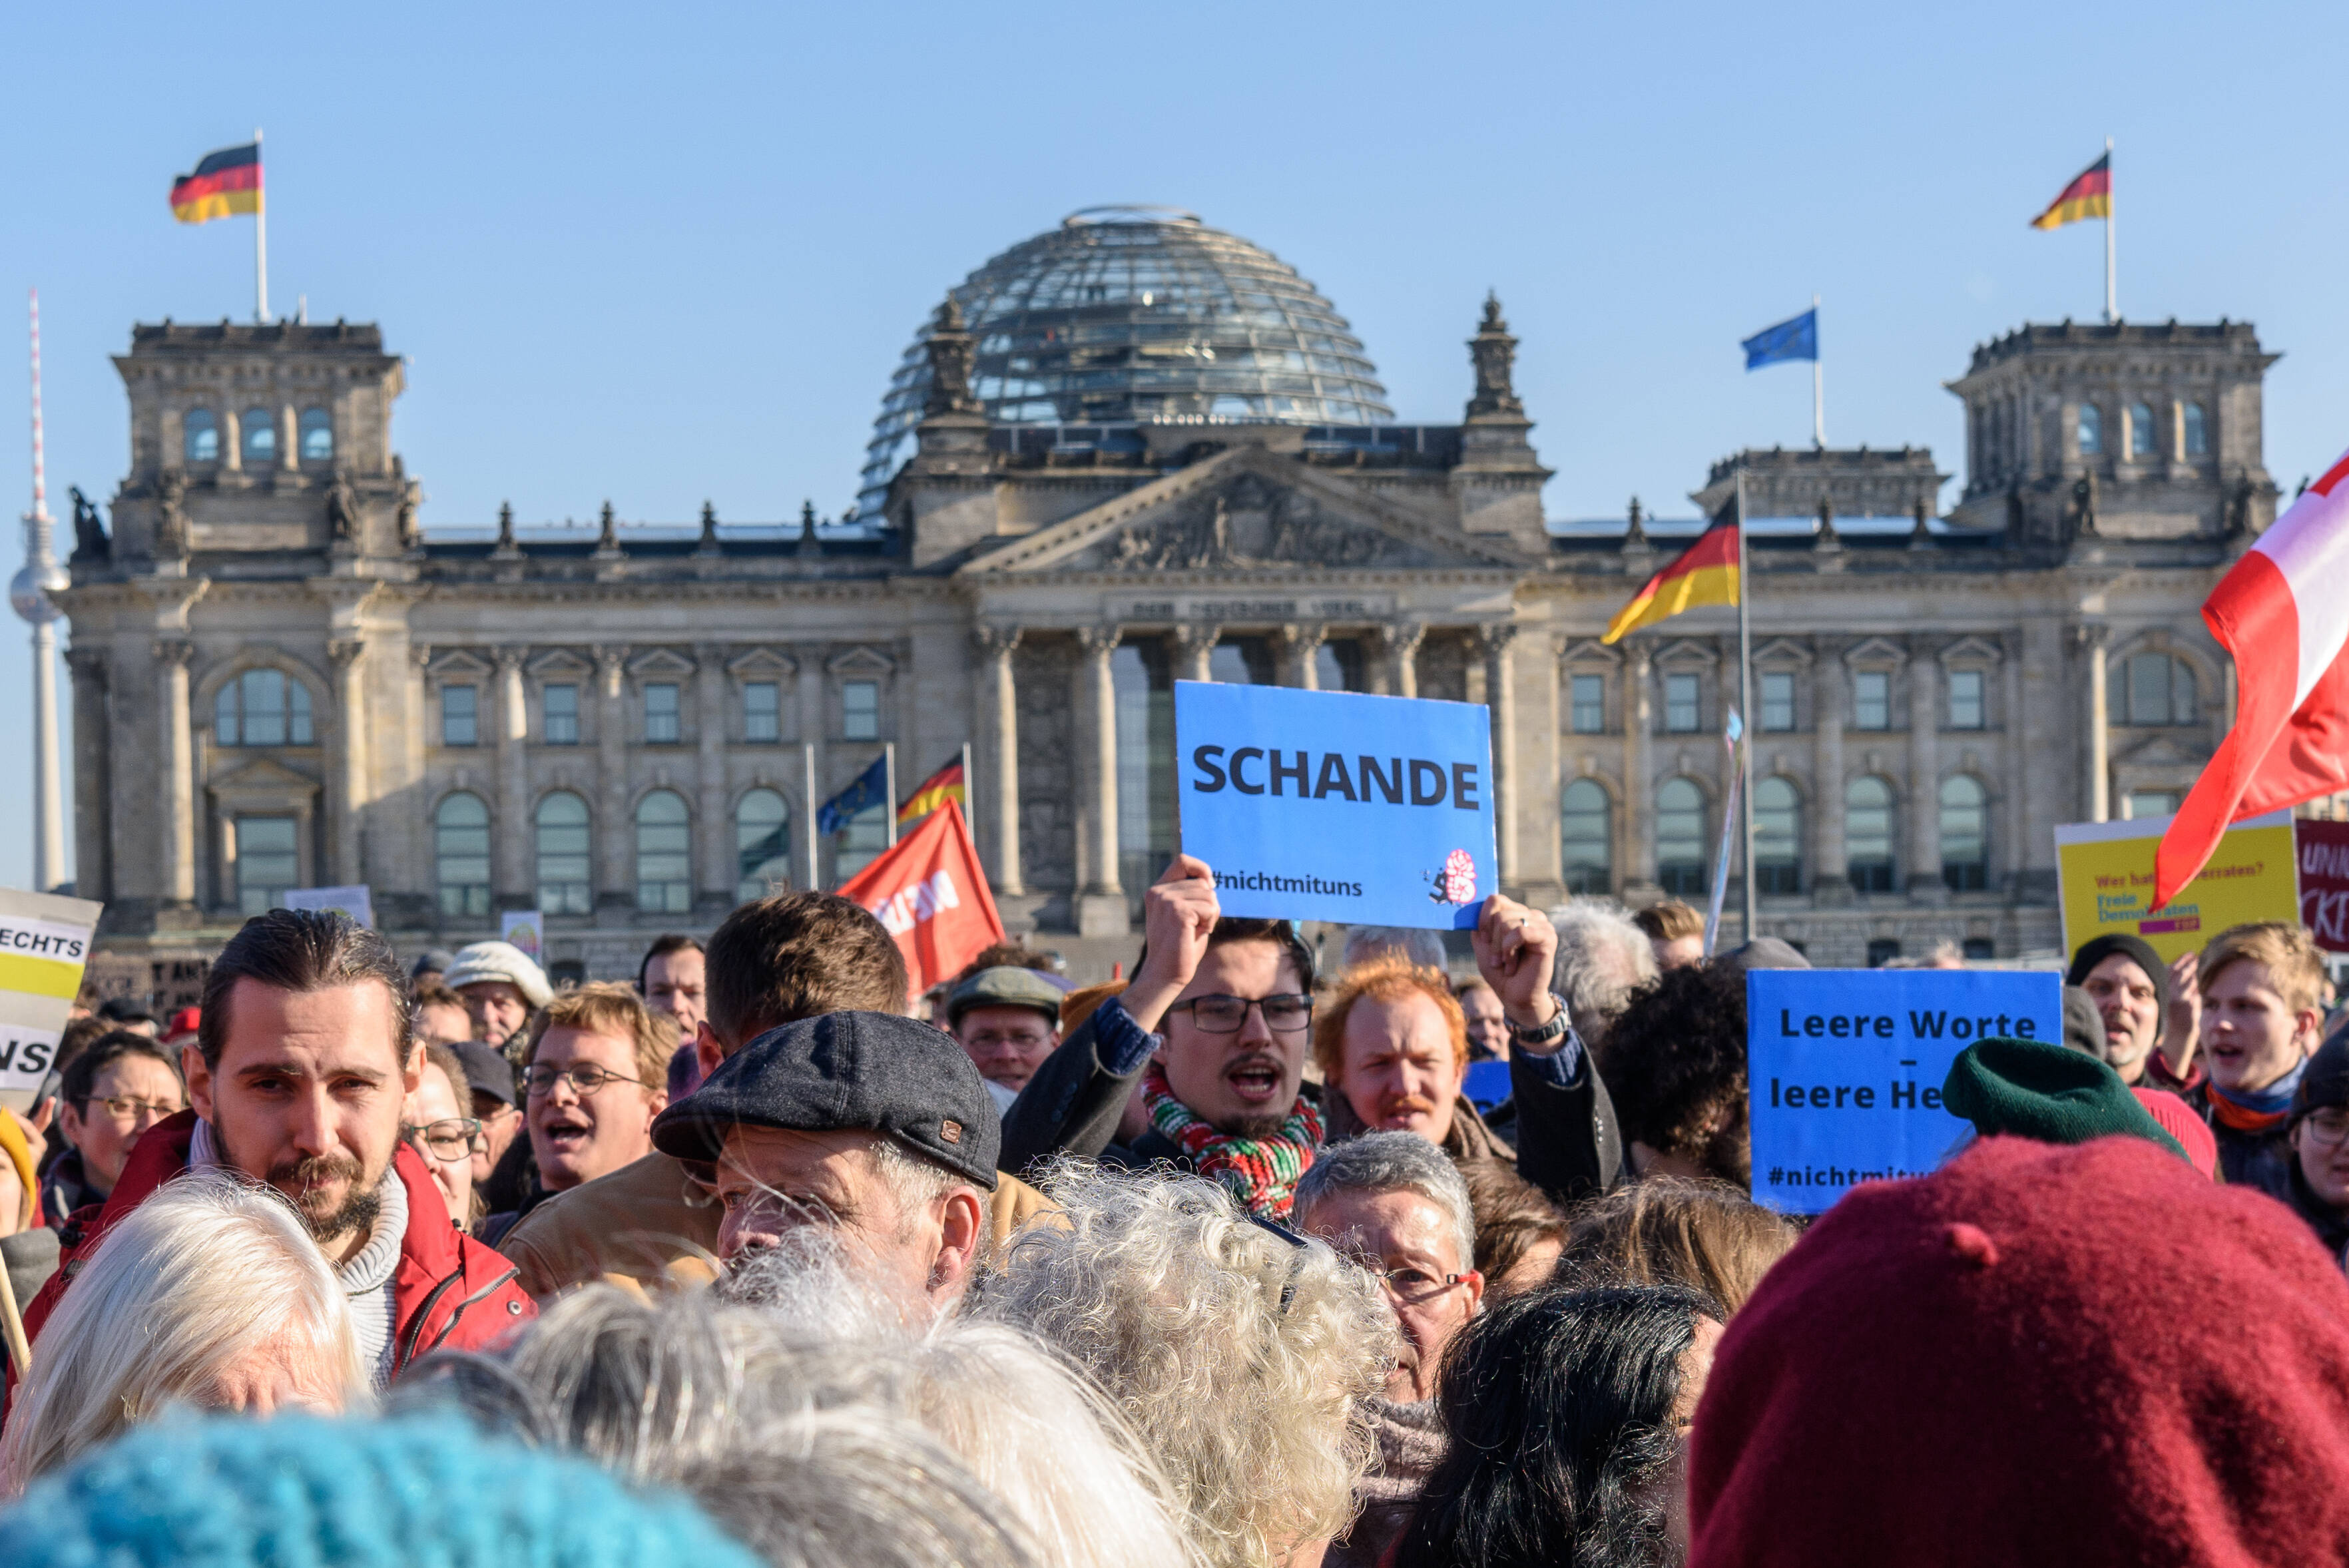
1456	882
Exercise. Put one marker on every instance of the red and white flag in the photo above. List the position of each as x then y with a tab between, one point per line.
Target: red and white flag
2283	612
929	892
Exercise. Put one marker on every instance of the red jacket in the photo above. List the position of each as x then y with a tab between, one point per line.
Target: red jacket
448	1292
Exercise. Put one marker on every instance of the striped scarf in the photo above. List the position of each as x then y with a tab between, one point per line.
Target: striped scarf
1261	1172
2263	1110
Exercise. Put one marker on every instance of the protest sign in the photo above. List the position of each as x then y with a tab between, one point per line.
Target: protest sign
2105	871
44	944
526	930
358	902
2324	850
1844	1068
1370	811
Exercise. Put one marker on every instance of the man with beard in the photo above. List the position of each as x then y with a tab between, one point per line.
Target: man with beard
297	1078
1221	1081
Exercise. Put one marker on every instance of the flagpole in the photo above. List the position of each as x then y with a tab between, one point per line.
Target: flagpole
807	765
969	792
1745	692
261	238
889	784
2112	295
1819	415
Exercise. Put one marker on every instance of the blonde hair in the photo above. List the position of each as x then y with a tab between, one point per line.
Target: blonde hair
1240	1353
211	1272
611	1007
1705	1235
2295	968
1388	978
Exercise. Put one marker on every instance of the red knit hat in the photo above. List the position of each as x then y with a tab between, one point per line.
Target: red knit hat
2040	1354
2178	1120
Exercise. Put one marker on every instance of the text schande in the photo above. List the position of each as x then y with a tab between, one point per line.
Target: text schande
1368	780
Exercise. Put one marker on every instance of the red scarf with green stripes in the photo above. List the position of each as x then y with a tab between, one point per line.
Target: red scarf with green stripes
1261	1172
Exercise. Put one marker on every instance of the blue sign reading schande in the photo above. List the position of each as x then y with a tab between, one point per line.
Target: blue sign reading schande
1372	810
1845	1066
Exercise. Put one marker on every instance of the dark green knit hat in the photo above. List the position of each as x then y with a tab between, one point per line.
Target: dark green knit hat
2031	1089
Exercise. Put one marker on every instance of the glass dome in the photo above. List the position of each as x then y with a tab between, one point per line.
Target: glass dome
1125	314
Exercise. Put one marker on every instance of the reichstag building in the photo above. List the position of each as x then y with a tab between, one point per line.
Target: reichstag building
1130	450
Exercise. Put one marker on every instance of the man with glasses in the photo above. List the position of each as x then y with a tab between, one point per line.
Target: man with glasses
118	1087
594	1075
2319	1139
438	1129
1397	1205
1221	1081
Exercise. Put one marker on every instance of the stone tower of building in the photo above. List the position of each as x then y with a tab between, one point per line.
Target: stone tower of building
2124	432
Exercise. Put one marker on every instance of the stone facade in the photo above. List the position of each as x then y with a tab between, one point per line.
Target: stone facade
278	682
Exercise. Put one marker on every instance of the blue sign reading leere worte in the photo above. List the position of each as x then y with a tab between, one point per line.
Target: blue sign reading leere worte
1844	1069
1371	811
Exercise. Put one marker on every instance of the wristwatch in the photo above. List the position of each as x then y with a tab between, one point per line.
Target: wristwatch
1553	1030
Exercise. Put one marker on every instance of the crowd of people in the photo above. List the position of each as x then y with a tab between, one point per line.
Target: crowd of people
1219	1264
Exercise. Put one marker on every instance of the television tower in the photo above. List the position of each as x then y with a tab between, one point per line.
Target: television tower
28	595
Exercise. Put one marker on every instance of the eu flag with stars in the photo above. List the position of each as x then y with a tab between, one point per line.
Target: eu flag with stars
870	788
1796	338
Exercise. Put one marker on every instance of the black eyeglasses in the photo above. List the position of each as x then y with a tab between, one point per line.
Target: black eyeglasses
587	1079
1284	1014
449	1139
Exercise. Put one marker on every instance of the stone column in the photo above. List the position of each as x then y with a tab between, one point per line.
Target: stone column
2093	640
231	431
718	868
511	838
1830	865
1402	639
1924	772
289	439
2015	819
1500	696
614	829
1100	902
93	792
997	756
1638	789
1299	646
177	775
347	789
1192	650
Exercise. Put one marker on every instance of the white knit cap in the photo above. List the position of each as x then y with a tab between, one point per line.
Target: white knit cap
500	961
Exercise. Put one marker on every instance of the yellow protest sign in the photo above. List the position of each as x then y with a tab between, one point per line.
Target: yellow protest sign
44	942
2104	873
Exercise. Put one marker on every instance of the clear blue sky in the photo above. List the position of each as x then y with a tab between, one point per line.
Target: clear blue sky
660	255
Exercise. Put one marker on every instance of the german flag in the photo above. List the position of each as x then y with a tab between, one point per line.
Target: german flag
933	793
1705	573
224	184
2089	196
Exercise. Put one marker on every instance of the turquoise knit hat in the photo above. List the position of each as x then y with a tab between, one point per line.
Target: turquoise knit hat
2032	1088
298	1493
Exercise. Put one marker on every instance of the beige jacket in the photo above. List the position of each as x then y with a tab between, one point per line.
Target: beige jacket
651	1225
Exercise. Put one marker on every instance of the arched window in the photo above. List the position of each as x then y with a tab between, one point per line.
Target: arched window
200	436
2197	431
1777	837
1868	834
259	432
2156	689
1680	837
318	435
461	848
2092	431
562	875
1587	833
663	854
1965	835
2140	430
262	707
763	844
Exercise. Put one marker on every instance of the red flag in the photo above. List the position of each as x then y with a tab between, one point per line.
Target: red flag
930	894
2282	612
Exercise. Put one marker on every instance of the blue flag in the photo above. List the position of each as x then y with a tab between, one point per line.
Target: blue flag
1796	338
869	789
